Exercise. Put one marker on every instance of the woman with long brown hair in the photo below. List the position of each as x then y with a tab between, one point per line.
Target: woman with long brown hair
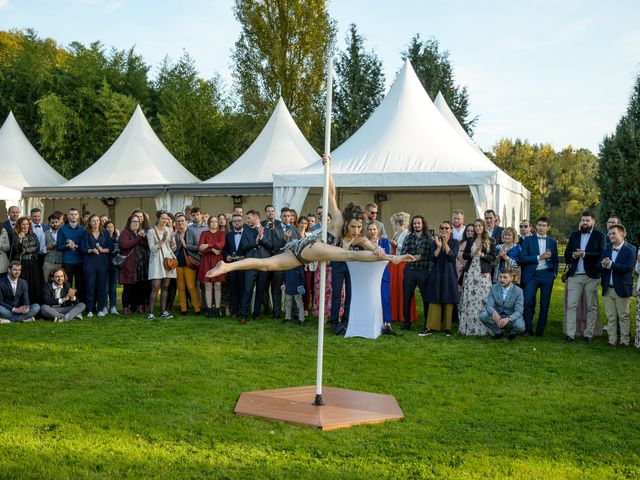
480	255
25	248
134	271
96	246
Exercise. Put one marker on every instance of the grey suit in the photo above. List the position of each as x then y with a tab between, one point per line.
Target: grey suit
512	306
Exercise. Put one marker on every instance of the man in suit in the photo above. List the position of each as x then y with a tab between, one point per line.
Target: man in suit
539	261
14	297
280	234
270	220
59	301
617	264
493	229
582	257
270	223
505	308
254	244
14	214
52	256
371	209
233	252
614	220
39	229
526	230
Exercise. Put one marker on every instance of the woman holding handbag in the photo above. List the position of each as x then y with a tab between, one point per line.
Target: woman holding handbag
162	262
188	262
210	246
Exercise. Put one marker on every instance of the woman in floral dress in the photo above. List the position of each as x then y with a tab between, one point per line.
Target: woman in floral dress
480	255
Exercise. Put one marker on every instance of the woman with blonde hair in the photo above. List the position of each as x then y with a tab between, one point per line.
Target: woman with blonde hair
480	254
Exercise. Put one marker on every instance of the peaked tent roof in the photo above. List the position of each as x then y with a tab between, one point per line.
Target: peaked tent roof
137	157
21	165
405	143
442	105
281	146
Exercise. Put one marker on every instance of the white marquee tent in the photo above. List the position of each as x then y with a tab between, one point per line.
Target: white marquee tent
21	165
510	192
136	165
405	145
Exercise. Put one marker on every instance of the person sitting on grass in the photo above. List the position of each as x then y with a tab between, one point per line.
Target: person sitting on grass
505	307
14	297
312	249
59	302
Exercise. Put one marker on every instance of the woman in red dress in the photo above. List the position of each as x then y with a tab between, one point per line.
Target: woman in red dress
210	246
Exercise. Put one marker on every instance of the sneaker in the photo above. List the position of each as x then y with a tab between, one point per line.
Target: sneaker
387	330
113	311
447	333
4	321
90	315
102	313
166	315
151	317
27	320
104	310
58	319
424	332
79	316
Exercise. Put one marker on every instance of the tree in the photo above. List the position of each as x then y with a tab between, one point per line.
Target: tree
562	184
281	52
618	167
435	72
358	89
191	119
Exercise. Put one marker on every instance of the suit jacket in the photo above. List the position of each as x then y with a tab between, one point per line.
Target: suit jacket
9	228
249	245
497	234
592	253
276	223
8	299
512	306
622	271
277	238
529	257
49	296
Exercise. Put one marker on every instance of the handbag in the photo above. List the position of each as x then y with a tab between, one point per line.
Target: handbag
118	260
168	263
191	262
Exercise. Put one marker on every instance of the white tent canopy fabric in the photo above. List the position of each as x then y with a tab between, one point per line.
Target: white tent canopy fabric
21	165
280	146
508	195
137	157
405	143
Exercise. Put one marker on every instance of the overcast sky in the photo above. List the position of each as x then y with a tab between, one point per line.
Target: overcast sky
556	71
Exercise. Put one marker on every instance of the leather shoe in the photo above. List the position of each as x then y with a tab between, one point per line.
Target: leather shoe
567	338
243	321
588	339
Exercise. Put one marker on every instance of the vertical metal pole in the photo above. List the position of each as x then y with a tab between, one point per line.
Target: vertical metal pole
325	214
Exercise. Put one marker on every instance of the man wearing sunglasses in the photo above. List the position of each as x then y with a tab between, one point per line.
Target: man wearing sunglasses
371	209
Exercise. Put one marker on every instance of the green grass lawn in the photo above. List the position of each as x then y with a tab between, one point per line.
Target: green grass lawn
116	398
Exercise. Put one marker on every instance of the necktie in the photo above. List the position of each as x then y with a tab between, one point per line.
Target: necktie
37	225
616	249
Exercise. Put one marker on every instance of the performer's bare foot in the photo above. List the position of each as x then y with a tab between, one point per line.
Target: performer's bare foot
219	269
396	259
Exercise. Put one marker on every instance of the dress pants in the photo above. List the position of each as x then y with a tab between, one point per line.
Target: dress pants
112	285
257	279
577	285
515	327
339	277
186	280
235	281
274	284
52	312
617	310
96	271
75	274
542	280
411	280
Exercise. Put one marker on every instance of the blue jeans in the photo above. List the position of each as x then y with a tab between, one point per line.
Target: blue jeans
14	317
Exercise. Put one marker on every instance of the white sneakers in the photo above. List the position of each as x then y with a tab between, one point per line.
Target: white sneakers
4	321
89	314
166	315
113	311
102	313
151	317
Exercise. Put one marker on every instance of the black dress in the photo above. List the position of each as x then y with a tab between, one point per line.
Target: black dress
442	284
26	252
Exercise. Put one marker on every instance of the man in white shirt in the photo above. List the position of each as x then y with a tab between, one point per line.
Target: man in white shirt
457	220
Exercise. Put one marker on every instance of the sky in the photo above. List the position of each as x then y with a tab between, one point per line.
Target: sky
552	71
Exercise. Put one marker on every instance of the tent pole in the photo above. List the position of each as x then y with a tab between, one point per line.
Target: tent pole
325	214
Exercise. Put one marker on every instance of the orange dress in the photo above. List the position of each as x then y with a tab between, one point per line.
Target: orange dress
397	298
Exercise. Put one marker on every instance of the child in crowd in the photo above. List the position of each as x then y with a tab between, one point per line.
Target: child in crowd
293	290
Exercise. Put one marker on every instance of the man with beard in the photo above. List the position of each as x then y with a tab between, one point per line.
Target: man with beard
582	257
52	256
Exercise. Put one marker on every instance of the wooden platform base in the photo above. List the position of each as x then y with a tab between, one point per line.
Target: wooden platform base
342	408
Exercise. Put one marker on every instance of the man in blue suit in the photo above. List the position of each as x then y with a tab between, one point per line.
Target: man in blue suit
13	213
539	261
234	250
14	297
505	307
617	265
